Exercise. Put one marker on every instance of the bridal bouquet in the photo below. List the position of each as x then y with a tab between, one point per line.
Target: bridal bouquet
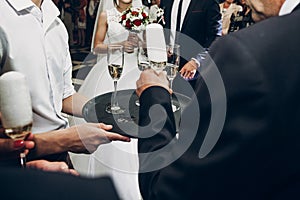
135	19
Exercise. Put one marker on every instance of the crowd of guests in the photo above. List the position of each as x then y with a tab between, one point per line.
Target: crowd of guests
79	18
236	15
255	156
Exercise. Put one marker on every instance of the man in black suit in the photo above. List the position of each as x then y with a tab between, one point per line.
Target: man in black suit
198	21
246	144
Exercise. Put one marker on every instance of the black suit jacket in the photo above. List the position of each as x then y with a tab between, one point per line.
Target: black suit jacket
257	154
201	25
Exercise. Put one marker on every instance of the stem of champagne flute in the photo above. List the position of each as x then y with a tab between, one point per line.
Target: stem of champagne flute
23	160
115	102
171	83
171	87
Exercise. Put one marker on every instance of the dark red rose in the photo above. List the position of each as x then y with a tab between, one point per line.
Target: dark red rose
123	17
128	24
135	13
137	22
144	15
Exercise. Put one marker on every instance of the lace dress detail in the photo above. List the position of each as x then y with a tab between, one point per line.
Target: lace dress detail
115	31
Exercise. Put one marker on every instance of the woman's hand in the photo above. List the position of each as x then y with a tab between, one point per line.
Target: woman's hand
128	46
131	42
10	149
133	38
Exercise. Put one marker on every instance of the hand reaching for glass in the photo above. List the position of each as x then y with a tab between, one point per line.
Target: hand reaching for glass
90	135
188	71
149	78
10	149
45	165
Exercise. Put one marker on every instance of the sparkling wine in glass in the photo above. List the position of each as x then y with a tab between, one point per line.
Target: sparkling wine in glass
142	57
115	61
19	133
173	53
158	66
15	108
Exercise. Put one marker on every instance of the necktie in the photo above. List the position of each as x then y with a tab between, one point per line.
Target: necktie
179	16
178	22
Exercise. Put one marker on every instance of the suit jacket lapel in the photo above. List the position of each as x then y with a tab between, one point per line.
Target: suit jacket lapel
188	13
167	6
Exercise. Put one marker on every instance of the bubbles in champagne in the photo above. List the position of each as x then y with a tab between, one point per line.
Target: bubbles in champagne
171	70
18	133
158	66
115	71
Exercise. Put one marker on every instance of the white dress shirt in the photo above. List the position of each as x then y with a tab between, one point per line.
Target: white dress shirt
288	6
37	46
185	6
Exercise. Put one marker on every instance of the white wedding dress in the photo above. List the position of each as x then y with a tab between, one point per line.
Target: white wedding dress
119	160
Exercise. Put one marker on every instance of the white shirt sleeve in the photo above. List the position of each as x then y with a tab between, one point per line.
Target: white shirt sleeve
68	86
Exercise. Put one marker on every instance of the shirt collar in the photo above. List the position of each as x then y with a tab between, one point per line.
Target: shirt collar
19	5
50	13
288	6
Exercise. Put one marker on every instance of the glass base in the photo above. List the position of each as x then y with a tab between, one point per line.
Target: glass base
115	110
23	160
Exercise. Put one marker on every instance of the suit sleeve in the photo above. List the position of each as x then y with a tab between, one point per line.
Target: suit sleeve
213	22
162	119
150	122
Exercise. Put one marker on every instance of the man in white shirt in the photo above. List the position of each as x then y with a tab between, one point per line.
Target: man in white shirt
34	42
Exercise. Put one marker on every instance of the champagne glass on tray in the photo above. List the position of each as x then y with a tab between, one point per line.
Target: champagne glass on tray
115	61
173	53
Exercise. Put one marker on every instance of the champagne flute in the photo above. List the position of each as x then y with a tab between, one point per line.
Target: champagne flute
142	60
142	56
156	47
173	53
16	108
115	61
19	133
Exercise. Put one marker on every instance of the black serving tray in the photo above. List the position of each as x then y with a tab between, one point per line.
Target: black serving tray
126	123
